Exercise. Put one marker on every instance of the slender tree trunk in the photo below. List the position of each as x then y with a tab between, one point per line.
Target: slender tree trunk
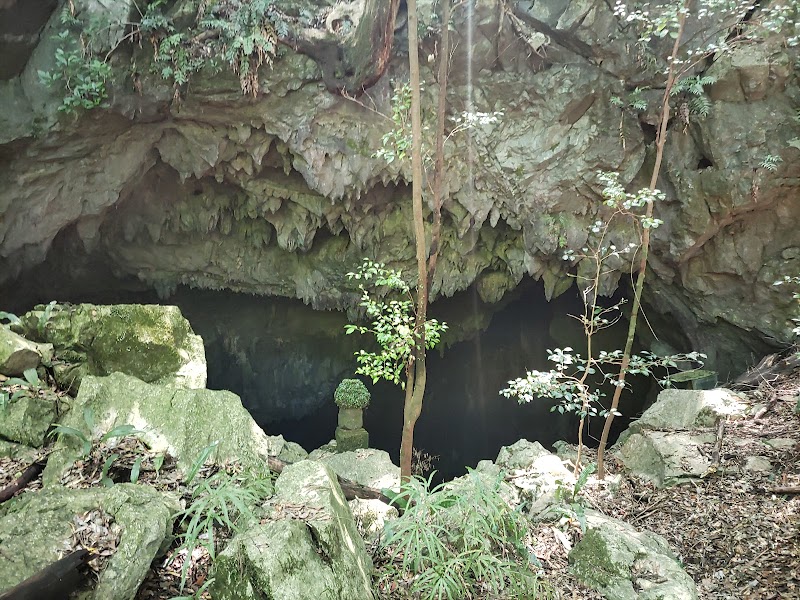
637	296
417	376
438	172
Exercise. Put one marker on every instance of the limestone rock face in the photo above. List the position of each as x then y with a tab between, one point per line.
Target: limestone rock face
176	420
282	194
36	527
667	457
291	559
625	564
151	342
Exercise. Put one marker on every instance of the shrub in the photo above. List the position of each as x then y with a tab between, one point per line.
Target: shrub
459	540
351	393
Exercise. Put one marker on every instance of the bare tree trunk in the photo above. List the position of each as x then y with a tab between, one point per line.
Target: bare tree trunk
637	296
438	172
417	375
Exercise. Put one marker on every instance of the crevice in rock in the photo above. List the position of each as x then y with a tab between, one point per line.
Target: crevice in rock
649	132
704	163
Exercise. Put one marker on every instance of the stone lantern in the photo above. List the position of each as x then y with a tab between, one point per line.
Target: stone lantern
352	397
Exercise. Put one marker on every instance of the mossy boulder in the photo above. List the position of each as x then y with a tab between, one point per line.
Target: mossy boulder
36	528
27	418
314	551
351	439
176	420
151	342
625	564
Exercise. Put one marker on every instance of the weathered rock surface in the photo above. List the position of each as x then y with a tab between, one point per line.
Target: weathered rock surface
368	466
319	554
18	354
176	420
625	564
151	342
691	409
520	455
282	194
667	457
36	528
27	418
671	442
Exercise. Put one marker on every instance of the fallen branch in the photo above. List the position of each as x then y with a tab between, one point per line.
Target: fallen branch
715	454
768	369
766	408
795	489
28	475
56	581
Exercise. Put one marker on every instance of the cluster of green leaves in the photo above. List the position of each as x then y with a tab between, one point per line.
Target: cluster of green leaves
634	100
87	440
570	507
396	143
578	395
770	162
29	385
692	89
238	34
351	393
224	501
78	73
388	302
460	540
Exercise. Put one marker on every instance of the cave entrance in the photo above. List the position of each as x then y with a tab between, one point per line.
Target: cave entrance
285	360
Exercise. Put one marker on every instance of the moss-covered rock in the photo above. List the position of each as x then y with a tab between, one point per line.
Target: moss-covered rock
176	420
318	555
27	418
351	439
151	342
625	564
35	529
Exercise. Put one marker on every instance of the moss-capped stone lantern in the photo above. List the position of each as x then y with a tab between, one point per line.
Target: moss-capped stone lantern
352	397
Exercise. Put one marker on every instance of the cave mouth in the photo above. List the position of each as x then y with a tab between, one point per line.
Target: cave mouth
285	359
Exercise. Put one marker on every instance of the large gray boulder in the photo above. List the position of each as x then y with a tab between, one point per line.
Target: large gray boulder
667	458
367	466
625	564
176	420
690	409
311	548
18	354
666	445
520	455
152	342
37	528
